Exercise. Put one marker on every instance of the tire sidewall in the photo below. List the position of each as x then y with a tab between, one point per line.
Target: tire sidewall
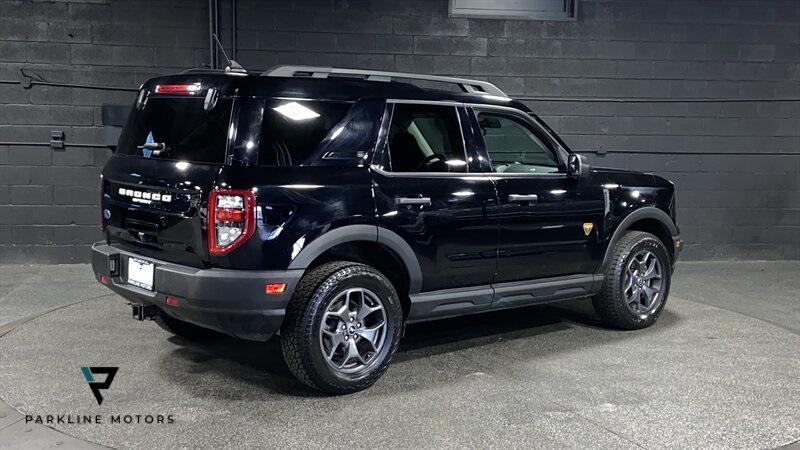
340	281
651	243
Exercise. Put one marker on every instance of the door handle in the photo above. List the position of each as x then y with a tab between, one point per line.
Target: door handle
424	201
523	197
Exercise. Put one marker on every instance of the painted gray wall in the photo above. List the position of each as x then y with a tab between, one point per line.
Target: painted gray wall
742	205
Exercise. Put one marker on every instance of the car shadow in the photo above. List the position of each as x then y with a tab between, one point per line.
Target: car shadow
256	369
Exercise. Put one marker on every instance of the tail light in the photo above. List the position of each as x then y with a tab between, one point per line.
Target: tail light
231	219
182	88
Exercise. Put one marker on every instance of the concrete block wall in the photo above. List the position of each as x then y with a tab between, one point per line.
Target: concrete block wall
736	165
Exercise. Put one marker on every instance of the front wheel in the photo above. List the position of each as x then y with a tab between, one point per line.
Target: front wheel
636	284
341	328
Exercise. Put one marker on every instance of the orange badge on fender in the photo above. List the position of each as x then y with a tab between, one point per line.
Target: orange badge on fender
587	228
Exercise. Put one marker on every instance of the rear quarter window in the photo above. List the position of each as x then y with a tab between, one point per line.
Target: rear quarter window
292	130
315	133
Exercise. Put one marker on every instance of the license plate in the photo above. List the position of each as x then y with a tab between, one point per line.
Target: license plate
140	273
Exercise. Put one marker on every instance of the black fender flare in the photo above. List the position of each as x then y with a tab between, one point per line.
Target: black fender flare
369	233
647	212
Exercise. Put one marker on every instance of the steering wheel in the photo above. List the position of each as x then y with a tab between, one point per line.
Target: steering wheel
430	158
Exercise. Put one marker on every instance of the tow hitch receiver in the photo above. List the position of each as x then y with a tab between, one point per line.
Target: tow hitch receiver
144	312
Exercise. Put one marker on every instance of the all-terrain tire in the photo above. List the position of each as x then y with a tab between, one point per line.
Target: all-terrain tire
610	304
300	331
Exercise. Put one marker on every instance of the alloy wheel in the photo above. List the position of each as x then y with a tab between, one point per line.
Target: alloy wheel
643	283
353	330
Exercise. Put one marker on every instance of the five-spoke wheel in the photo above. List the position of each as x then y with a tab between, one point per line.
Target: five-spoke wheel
342	327
636	282
353	330
642	285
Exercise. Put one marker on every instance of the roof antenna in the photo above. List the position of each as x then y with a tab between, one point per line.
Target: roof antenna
233	66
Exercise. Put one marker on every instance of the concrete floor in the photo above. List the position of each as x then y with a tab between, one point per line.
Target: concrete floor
720	369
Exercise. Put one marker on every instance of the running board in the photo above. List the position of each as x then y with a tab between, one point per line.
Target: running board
462	301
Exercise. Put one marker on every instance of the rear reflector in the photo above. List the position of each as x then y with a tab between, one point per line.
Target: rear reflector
184	88
172	301
104	279
275	288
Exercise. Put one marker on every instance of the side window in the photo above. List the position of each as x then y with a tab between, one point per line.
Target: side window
350	142
513	146
292	130
426	138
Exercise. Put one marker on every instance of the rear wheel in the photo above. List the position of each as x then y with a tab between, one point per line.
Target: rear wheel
341	327
636	284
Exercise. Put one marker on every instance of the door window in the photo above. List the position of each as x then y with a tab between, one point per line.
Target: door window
513	146
426	138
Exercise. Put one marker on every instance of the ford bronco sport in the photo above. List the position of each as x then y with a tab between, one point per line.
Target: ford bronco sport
334	206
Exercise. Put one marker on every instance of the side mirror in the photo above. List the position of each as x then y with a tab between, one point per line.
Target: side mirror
577	166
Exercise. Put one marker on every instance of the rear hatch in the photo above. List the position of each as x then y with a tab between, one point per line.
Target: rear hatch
170	154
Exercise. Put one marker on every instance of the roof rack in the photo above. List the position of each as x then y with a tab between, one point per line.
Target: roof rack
466	85
239	70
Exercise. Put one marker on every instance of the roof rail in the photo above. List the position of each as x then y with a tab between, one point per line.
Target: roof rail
466	85
226	71
201	70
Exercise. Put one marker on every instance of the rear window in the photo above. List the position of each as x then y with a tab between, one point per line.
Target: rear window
178	128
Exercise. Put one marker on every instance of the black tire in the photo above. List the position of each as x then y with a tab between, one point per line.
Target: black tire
186	330
610	304
300	331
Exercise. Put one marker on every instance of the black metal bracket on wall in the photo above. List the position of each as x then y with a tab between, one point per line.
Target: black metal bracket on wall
113	118
57	140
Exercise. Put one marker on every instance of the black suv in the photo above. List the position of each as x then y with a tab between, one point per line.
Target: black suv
335	206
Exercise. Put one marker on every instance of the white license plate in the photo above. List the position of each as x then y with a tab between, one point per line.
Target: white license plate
140	273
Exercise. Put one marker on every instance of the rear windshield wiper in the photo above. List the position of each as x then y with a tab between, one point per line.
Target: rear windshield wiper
155	147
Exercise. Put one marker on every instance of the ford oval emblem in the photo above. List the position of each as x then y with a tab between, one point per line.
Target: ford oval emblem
106	214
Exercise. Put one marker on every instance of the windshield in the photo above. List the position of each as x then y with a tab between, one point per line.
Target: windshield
177	128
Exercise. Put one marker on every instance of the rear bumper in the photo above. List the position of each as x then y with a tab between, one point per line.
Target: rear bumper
230	301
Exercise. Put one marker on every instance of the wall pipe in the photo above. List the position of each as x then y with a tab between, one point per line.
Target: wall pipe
233	29
212	30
